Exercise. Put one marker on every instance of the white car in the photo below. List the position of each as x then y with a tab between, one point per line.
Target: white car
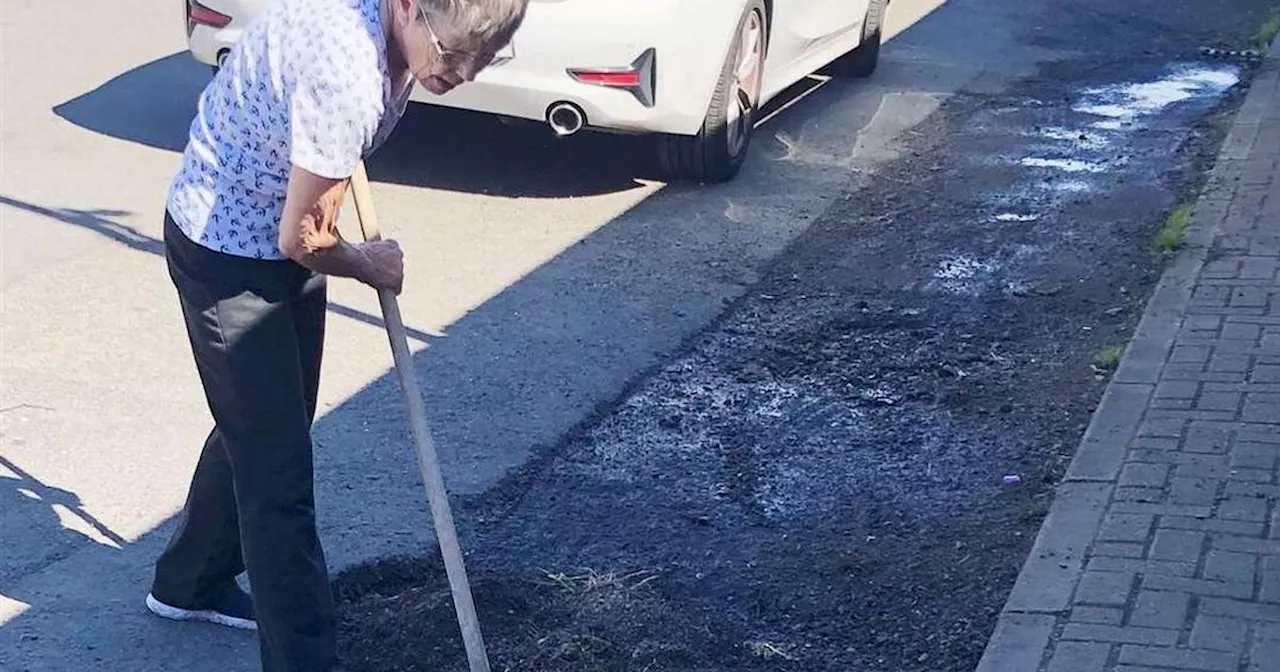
692	73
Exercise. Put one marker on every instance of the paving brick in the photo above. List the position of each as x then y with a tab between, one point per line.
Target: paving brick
1078	656
1104	588
1265	373
1230	542
1251	489
1248	611
1248	455
1194	490
1237	243
1258	267
1121	634
1119	550
1098	615
1177	389
1273	388
1211	525
1202	587
1126	527
1264	656
1229	363
1218	469
1228	267
1261	407
1228	566
1160	609
1182	659
1258	433
1250	509
1255	319
1249	296
1144	475
1194	415
1132	493
1172	455
1171	403
1219	401
1192	510
1191	354
1204	322
1178	545
1269	587
1165	428
1217	633
1206	437
1209	296
1143	566
1256	476
1264	245
1239	331
1197	372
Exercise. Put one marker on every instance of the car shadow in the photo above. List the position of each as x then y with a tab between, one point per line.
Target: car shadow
454	150
150	105
433	147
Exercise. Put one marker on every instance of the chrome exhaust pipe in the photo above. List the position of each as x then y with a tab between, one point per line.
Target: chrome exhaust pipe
565	119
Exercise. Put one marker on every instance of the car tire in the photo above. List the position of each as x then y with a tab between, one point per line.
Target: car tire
863	60
716	153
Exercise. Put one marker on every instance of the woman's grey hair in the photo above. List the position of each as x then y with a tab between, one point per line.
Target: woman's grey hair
484	24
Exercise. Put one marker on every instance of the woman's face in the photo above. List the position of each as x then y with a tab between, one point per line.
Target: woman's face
429	52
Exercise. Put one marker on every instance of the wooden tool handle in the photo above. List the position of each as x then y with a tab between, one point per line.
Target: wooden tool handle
432	479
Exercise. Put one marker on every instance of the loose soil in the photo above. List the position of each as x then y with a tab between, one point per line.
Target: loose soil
846	471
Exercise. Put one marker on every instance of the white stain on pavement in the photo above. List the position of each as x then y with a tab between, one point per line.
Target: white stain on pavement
1068	186
1065	165
1080	139
962	274
1122	106
1015	217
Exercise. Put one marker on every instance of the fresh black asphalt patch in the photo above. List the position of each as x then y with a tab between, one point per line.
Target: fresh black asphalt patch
847	470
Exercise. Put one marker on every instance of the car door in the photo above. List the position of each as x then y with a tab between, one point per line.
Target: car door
800	28
807	24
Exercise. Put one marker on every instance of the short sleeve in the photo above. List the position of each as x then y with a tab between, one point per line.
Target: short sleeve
336	101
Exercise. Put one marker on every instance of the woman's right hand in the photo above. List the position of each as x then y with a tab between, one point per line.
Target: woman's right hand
386	265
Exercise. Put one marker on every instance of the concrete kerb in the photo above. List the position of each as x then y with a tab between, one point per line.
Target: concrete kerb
1055	564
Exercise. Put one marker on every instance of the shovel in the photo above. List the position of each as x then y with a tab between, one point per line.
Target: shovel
446	534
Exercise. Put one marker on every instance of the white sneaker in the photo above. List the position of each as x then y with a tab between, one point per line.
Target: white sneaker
235	611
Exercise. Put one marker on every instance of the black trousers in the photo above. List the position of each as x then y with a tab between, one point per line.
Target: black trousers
257	331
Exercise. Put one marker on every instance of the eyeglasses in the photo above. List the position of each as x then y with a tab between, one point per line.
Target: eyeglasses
451	58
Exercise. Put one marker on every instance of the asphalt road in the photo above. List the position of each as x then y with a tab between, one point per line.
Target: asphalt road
545	276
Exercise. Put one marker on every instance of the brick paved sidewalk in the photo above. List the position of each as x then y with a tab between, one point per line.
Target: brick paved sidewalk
1162	549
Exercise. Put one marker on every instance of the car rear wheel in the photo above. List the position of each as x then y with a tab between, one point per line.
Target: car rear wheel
716	153
863	60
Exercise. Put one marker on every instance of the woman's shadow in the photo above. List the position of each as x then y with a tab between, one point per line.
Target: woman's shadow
34	533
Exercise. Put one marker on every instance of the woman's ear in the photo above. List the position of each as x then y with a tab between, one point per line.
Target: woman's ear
404	11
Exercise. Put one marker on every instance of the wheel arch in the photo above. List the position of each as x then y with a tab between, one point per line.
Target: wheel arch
726	15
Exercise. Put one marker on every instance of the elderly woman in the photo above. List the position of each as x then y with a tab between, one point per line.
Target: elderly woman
251	236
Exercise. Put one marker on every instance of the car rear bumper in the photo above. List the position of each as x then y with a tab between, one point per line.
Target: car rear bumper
605	36
530	93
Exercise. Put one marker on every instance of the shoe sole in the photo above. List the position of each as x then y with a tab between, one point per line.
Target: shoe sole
175	614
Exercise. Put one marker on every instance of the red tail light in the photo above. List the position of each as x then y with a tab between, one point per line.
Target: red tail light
202	15
639	78
607	78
